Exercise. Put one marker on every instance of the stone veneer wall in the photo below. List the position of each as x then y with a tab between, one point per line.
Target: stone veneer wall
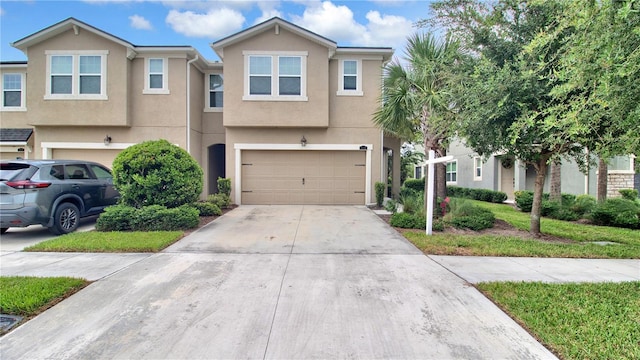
618	182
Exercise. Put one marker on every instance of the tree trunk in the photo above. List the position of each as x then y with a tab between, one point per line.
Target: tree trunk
603	171
536	208
555	192
441	177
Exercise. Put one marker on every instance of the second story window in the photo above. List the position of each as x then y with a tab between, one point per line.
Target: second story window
274	76
215	91
156	76
12	92
350	82
477	168
77	75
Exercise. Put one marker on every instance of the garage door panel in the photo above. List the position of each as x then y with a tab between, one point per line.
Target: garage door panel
276	177
102	156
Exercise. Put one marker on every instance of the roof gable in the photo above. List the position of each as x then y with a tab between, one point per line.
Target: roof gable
61	27
276	23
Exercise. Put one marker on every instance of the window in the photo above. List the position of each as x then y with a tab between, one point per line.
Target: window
275	76
156	76
215	89
477	168
350	82
452	172
76	75
13	92
418	172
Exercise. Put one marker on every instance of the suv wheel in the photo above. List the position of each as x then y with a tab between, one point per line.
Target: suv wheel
66	219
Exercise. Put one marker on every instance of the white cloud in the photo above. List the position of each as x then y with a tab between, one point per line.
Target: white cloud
139	22
386	30
214	24
334	22
269	10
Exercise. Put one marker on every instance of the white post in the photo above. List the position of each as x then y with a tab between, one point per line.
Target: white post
430	180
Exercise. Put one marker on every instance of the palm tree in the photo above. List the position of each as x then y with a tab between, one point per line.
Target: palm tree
416	103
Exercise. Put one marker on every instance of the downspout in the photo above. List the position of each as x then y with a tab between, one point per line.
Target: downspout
188	105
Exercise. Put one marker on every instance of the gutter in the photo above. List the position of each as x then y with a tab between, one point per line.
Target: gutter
188	104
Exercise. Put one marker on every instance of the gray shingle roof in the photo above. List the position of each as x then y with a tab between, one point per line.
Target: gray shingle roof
15	134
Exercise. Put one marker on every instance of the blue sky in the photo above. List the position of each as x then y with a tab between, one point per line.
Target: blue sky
198	23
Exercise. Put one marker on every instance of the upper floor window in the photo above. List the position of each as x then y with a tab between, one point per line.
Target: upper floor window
76	75
13	92
156	76
477	168
350	82
275	76
215	91
452	172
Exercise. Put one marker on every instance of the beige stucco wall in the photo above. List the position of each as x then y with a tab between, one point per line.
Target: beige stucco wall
111	112
311	113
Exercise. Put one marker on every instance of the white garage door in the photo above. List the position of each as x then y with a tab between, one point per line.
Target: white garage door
102	156
303	177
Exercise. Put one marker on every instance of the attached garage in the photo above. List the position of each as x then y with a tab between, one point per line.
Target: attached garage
272	177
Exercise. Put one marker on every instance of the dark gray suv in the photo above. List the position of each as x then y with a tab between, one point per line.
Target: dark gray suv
53	193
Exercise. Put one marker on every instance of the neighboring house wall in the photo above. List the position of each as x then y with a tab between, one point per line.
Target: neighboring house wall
13	110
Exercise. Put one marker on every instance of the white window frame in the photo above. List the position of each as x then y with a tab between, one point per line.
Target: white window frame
207	107
418	168
165	76
275	76
75	75
23	86
341	90
447	172
477	166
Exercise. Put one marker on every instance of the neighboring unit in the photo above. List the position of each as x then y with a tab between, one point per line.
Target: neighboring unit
287	115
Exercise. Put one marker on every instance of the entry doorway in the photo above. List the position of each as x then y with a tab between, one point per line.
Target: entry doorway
216	166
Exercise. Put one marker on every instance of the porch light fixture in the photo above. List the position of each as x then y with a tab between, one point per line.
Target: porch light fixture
107	140
303	141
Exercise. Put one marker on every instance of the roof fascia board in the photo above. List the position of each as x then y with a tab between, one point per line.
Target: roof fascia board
219	45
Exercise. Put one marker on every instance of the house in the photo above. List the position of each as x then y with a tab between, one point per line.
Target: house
506	174
286	114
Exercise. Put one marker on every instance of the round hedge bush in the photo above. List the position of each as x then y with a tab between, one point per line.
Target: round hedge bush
157	173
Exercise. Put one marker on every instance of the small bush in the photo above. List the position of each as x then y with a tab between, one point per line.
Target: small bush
412	203
408	221
379	188
629	194
206	208
549	207
617	212
414	184
220	200
391	206
116	218
498	197
565	213
524	200
466	215
477	194
583	204
224	186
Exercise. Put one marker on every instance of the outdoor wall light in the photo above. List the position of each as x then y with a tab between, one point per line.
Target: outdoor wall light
107	140
303	141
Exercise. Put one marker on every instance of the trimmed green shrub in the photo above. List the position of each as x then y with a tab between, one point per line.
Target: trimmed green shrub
524	200
157	173
224	186
408	221
549	207
206	208
498	197
157	218
466	215
379	188
584	204
391	206
116	218
414	184
477	194
220	200
565	213
617	212
629	194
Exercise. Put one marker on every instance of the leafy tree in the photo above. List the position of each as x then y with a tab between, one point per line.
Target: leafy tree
157	173
415	102
505	96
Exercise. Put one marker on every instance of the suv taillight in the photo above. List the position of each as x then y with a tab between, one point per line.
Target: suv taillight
27	184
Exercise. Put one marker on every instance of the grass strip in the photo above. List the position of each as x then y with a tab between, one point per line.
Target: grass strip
564	229
576	321
496	245
28	296
96	241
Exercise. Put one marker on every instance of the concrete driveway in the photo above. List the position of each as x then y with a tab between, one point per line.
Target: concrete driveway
276	282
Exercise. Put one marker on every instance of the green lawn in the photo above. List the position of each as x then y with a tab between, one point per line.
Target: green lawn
95	241
576	321
578	244
28	296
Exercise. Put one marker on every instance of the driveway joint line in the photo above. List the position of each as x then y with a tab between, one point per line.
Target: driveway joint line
284	274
